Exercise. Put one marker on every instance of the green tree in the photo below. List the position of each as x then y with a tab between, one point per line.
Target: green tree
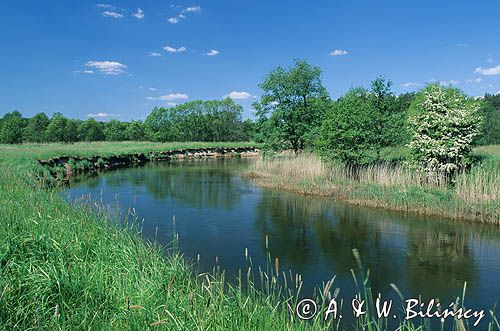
115	130
11	129
158	125
248	130
135	131
443	122
35	129
347	133
90	130
490	111
71	132
57	129
215	120
384	129
286	111
223	120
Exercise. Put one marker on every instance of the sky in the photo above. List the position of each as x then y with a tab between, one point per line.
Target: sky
119	59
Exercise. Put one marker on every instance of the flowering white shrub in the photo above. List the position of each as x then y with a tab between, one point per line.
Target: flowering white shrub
443	122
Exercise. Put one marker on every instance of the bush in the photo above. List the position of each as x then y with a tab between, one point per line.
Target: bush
443	123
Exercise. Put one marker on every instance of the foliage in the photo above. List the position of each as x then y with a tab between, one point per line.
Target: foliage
11	128
90	130
348	129
115	130
443	123
35	129
135	131
389	117
293	103
58	129
490	111
215	120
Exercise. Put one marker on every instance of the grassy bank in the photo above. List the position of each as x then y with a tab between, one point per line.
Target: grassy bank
476	195
65	267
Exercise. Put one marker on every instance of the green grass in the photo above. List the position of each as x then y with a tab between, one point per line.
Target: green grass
66	267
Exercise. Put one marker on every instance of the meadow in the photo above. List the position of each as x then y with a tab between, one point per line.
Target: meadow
67	267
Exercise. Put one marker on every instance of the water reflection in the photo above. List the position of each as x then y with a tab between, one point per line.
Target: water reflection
220	214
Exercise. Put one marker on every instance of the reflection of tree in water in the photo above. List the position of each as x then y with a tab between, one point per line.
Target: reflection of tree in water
306	231
198	183
439	260
351	228
286	219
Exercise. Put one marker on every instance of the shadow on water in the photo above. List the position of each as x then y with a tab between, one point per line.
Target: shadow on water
220	214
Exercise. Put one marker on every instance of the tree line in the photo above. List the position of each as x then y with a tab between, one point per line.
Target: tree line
296	112
217	120
439	125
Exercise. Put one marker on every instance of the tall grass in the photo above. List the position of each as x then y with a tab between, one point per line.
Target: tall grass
475	195
68	267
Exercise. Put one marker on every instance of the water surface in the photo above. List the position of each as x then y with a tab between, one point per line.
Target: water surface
218	214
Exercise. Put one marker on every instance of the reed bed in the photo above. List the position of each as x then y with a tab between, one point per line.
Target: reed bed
475	194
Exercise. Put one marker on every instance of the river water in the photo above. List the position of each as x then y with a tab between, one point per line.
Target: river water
219	215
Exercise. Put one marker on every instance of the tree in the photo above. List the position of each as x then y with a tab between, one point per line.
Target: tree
443	123
57	129
248	130
287	111
347	133
158	125
11	129
115	130
35	129
490	111
135	131
90	130
223	120
383	120
216	120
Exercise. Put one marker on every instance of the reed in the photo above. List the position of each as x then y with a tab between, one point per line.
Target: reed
474	196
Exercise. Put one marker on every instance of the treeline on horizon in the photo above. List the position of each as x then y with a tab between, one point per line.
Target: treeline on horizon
221	120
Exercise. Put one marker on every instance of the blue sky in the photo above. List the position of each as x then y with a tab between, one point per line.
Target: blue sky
88	58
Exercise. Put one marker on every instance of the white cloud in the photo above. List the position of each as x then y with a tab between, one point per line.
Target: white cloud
497	93
463	45
488	71
410	85
477	80
171	104
181	16
102	5
139	14
212	52
112	14
489	60
193	9
169	97
338	52
107	67
88	72
103	115
175	50
152	89
235	95
449	82
154	54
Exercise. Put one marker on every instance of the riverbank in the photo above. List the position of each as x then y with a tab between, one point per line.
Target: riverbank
475	196
66	267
